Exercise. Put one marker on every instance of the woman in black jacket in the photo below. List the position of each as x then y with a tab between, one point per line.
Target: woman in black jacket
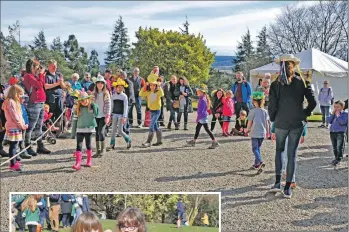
217	107
185	105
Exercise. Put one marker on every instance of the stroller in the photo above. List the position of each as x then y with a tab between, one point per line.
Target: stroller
49	136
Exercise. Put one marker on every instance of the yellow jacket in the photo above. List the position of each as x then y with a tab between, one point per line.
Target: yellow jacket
204	219
153	99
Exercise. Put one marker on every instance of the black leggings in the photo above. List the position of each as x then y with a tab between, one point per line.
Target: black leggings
198	128
100	129
214	119
2	135
32	228
80	138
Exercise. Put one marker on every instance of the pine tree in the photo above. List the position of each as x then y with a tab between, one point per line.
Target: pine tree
39	41
93	63
4	66
75	55
119	48
263	49
186	24
57	45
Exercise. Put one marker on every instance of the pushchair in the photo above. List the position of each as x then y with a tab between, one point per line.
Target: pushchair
49	136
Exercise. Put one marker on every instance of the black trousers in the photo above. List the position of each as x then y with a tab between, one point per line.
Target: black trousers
214	119
32	228
239	106
20	220
80	138
198	128
100	129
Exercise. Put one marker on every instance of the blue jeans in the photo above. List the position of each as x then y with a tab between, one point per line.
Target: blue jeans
325	111
44	215
294	137
36	117
154	114
78	211
138	105
285	161
337	140
256	149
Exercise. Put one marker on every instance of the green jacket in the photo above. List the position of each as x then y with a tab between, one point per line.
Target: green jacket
86	121
18	199
31	216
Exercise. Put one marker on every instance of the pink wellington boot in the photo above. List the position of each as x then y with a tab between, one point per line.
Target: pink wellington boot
78	156
89	158
16	167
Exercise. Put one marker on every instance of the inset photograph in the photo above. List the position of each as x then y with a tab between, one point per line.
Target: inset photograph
119	212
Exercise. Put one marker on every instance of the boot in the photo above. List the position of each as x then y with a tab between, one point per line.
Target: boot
112	145
41	149
4	153
98	148
16	167
89	158
30	150
159	138
214	145
176	126
25	155
169	125
78	157
102	148
185	126
191	143
150	138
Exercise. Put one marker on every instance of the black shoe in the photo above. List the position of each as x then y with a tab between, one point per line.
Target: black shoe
25	155
4	153
42	150
31	152
162	124
157	144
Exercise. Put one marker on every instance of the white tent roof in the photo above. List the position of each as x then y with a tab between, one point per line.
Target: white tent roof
312	59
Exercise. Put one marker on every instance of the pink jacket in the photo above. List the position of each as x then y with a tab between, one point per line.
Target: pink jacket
13	114
228	106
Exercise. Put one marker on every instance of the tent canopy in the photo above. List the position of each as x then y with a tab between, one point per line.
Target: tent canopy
311	60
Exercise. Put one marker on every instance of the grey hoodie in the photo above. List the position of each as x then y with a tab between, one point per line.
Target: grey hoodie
325	96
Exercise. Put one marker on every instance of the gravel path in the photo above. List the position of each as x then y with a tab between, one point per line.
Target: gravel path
320	201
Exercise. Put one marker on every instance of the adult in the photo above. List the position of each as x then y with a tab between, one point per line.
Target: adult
74	82
85	204
3	153
129	91
34	82
66	209
138	83
107	76
180	211
172	104
86	82
264	88
259	83
242	94
217	108
286	110
325	99
185	106
55	209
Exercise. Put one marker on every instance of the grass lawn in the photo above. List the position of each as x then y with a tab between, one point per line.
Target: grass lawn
315	118
153	227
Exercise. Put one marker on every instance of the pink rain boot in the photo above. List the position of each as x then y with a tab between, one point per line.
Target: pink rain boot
78	156
16	167
89	158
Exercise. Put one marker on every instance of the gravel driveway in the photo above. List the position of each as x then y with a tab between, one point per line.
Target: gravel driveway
320	201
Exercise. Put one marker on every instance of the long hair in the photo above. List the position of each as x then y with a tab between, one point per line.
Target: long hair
131	217
259	103
87	222
104	90
12	94
78	106
31	63
30	203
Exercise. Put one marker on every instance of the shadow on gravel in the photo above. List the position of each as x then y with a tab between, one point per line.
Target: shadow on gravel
9	174
196	176
48	161
328	147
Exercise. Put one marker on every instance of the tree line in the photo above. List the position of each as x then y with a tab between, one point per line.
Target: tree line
159	208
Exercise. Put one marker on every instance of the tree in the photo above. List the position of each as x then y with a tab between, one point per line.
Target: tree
57	45
219	79
263	53
174	53
39	41
119	48
186	27
75	55
4	66
93	63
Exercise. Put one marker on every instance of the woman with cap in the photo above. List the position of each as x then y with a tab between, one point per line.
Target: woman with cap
119	106
204	105
153	95
86	113
103	100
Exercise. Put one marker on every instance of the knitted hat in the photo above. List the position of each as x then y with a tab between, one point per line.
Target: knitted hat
100	79
152	79
12	81
120	82
257	95
83	95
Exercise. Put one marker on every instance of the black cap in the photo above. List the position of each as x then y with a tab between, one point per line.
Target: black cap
108	70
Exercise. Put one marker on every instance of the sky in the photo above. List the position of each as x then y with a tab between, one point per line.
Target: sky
222	23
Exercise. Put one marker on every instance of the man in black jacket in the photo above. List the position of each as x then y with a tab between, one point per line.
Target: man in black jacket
286	98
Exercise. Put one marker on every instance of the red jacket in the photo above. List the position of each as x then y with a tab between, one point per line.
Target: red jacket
228	106
36	84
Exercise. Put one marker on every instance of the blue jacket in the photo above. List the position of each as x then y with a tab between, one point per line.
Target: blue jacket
76	85
246	91
24	114
340	123
180	207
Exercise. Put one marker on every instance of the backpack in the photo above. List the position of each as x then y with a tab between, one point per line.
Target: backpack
328	94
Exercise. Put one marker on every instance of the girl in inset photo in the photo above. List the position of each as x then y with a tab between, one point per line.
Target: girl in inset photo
87	222
131	220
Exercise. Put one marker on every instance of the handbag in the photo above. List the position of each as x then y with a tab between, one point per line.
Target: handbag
175	104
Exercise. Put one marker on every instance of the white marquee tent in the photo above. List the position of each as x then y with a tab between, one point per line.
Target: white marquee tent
315	67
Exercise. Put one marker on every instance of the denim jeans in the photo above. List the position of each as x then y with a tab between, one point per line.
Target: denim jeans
294	137
36	116
66	219
13	151
337	140
325	111
285	161
154	114
138	105
256	149
78	211
42	218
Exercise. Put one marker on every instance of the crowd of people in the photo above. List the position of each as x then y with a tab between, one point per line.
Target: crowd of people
275	110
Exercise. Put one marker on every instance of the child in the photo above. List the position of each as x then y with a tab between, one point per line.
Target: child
339	124
85	125
15	123
258	125
240	125
43	212
103	101
154	95
47	122
31	213
78	207
202	117
24	154
228	111
131	219
119	106
87	222
204	220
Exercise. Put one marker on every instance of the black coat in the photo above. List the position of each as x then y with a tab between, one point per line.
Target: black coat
170	95
129	91
286	103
